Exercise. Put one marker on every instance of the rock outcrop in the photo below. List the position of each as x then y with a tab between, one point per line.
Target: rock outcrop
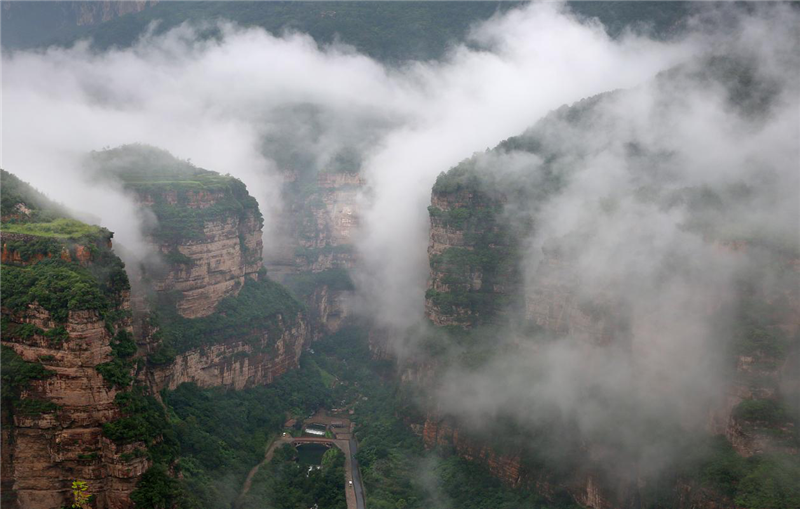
218	320
237	364
209	256
316	248
473	256
65	298
44	453
481	216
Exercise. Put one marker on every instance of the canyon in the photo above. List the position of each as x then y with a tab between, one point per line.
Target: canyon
208	243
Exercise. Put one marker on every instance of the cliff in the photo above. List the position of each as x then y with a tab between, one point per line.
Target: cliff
65	306
315	248
473	255
209	313
206	226
496	261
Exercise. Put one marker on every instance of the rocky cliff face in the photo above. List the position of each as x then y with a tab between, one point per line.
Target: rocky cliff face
472	254
211	260
65	297
315	249
43	453
237	364
479	220
218	319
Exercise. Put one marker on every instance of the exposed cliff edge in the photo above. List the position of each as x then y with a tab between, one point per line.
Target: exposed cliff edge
502	281
66	318
84	361
213	317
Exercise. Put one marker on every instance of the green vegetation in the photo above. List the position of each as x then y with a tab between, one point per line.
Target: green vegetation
116	373
462	178
61	228
765	480
303	285
260	305
396	470
770	482
33	407
767	411
20	202
287	484
175	257
489	254
122	345
31	248
311	255
156	489
143	418
390	31
17	375
59	287
173	187
222	434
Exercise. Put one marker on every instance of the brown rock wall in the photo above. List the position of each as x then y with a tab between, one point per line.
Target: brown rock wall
43	454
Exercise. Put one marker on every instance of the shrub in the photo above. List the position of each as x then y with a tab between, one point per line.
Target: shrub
116	373
32	407
256	309
143	419
156	489
772	483
763	410
17	374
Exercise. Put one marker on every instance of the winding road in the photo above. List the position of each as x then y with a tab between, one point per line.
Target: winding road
354	493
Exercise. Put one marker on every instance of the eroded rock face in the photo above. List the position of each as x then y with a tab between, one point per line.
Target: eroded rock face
244	363
554	303
473	265
44	453
211	264
315	250
507	468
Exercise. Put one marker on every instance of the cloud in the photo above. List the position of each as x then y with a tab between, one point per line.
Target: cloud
257	105
632	263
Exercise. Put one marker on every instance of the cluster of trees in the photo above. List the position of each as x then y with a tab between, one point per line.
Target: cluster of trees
246	316
213	436
17	375
303	285
286	483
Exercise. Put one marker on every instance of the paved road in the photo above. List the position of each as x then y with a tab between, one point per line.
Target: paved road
359	488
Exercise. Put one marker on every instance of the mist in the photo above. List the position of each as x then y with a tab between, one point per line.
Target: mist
255	105
659	182
252	104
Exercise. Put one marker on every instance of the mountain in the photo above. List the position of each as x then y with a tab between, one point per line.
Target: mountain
387	31
494	295
67	341
85	362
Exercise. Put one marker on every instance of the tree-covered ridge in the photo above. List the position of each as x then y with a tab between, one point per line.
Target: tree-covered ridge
44	227
21	203
58	262
387	31
182	196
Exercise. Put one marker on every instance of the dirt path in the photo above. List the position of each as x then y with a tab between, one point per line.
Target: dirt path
268	452
353	493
